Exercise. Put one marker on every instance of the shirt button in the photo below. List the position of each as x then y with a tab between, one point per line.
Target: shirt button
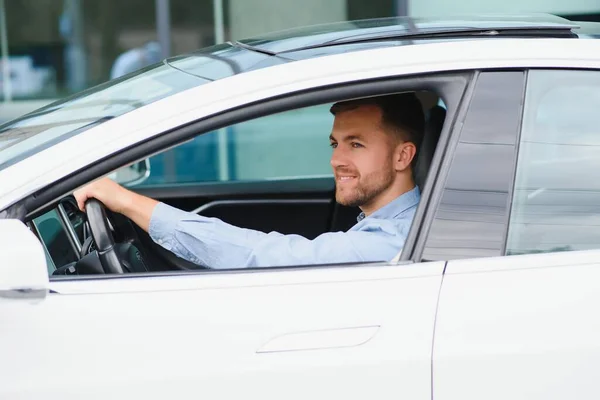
160	241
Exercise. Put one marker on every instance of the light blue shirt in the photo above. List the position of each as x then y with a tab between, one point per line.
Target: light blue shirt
216	244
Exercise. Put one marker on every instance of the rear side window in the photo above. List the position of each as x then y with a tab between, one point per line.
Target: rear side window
556	205
472	215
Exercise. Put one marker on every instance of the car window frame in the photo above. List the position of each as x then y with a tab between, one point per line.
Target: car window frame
450	85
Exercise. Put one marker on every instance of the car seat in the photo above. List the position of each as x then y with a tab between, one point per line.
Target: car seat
433	128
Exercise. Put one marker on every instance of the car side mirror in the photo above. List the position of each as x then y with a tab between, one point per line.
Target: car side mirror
23	269
133	174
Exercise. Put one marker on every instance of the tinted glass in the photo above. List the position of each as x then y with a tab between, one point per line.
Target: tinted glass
55	238
292	144
339	32
221	61
556	205
471	218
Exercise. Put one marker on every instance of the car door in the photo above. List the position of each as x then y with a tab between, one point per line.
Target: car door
525	325
348	331
338	331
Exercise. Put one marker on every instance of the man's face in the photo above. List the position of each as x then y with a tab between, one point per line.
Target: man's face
363	156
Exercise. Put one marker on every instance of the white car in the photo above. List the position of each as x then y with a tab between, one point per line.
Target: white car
494	296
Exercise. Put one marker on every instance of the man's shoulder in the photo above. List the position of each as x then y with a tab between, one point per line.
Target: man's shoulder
398	208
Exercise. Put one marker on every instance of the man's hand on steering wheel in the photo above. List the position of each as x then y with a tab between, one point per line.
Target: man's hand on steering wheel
116	198
111	194
102	236
92	199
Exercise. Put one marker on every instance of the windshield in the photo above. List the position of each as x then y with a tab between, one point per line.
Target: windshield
41	129
47	126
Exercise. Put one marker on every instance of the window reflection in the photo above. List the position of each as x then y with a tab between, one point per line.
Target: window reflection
556	205
471	217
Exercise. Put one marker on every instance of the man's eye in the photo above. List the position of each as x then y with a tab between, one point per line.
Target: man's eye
333	145
356	145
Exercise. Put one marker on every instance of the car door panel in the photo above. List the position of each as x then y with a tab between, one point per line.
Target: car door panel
348	332
321	339
524	324
519	327
344	332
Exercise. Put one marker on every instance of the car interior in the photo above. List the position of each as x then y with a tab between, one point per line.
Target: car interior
78	243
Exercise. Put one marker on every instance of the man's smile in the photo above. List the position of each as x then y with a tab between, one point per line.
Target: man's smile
345	178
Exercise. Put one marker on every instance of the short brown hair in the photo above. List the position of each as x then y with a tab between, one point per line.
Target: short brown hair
401	112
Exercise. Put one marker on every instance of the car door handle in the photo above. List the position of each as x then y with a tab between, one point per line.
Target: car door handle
320	339
23	293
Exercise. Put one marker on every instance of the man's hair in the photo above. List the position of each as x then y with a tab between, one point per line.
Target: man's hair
402	113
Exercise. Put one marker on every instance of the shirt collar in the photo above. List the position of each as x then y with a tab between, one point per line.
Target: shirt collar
397	206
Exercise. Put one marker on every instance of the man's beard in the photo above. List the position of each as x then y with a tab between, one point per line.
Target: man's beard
368	187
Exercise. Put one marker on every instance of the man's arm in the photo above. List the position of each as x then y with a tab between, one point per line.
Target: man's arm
134	206
216	244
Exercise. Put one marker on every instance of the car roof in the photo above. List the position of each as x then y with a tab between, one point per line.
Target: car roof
282	47
412	29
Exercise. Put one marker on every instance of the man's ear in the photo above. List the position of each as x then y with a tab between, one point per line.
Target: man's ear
403	156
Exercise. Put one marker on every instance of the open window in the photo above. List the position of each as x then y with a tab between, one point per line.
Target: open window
264	167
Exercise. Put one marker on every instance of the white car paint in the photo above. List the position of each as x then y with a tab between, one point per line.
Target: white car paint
519	327
137	126
353	333
23	262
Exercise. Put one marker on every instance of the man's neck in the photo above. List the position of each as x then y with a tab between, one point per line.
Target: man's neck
386	198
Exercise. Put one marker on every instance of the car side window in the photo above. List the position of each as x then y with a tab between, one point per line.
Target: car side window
292	144
472	214
556	204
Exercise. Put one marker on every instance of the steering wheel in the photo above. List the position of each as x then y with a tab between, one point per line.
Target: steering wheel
105	243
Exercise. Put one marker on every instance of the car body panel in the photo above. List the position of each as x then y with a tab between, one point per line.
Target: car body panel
353	331
519	327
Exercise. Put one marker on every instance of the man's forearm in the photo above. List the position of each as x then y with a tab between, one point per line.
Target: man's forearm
139	209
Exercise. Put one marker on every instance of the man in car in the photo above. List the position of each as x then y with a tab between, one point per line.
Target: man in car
374	141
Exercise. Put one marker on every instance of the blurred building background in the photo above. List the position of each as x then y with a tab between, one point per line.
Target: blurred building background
52	48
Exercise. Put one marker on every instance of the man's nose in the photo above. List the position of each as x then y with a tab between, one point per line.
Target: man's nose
338	159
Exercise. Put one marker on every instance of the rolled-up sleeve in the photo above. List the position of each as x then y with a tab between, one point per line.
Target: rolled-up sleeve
205	241
216	244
